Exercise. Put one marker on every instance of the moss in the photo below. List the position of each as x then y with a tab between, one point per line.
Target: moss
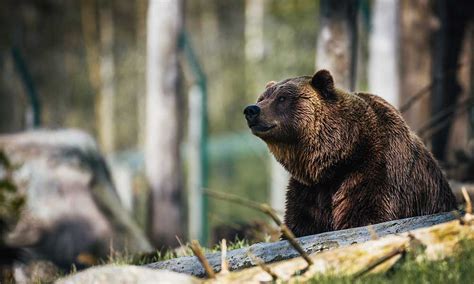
11	200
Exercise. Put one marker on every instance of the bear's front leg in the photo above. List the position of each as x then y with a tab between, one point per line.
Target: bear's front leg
358	210
308	210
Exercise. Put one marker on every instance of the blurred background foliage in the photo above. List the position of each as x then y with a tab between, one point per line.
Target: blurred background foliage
50	36
239	47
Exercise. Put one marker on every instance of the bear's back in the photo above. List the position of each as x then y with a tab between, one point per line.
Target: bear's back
413	176
397	178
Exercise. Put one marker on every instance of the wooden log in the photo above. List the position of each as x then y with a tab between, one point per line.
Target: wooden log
376	256
270	252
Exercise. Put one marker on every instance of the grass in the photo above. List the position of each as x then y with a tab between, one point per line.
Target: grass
184	250
456	269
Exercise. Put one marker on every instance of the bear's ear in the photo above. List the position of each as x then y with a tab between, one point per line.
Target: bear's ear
269	84
323	82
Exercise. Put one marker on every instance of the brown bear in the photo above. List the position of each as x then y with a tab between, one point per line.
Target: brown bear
352	158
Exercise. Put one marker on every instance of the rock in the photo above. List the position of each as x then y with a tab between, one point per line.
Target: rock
35	272
127	274
72	209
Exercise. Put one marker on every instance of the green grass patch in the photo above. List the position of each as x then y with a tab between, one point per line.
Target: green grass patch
185	250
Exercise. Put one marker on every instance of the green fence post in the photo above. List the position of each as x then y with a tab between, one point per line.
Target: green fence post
203	126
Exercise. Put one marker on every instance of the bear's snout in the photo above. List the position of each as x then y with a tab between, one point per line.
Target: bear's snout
251	112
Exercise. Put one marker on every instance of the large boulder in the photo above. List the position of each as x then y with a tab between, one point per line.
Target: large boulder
127	274
72	213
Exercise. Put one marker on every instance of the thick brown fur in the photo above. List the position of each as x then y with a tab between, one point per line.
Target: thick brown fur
352	158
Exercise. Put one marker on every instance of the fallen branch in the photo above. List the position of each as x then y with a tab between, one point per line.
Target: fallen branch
270	252
262	207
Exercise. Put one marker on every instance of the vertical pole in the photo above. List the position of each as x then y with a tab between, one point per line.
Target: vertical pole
204	163
194	175
33	97
199	164
107	94
196	178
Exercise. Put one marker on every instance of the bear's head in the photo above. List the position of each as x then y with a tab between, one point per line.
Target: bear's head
286	110
307	123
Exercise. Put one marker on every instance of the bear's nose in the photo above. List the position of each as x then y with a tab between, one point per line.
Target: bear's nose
251	112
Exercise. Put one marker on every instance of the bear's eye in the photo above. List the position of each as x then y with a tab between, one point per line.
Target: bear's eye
281	99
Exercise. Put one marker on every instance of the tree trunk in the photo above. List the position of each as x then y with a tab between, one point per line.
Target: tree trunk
383	51
337	41
100	61
447	44
141	15
254	40
107	70
162	159
471	87
416	24
12	108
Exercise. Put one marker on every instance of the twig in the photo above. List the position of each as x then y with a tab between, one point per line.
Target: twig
372	232
294	243
379	261
425	90
468	200
224	263
196	248
181	245
443	114
265	208
442	124
262	207
258	261
418	95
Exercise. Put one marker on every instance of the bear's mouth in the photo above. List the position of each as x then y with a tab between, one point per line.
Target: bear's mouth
258	128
